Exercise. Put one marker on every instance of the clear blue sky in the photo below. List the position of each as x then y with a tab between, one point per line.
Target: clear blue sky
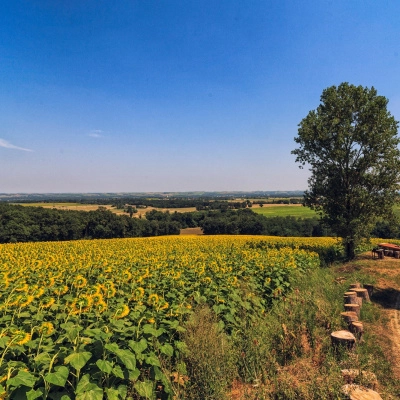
157	95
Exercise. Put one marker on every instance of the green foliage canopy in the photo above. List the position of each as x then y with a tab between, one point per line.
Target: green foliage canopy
350	143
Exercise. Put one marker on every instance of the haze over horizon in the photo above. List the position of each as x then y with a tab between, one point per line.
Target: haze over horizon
177	96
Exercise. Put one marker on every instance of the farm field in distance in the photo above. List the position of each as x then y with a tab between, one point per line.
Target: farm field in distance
93	207
279	210
268	210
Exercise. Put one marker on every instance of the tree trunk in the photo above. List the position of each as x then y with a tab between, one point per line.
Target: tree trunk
350	249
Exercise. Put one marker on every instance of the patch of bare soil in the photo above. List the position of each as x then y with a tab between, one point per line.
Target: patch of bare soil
191	231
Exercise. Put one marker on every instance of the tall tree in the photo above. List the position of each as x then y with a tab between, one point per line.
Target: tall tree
350	143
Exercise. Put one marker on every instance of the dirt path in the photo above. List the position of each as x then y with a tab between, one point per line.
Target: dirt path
395	335
386	274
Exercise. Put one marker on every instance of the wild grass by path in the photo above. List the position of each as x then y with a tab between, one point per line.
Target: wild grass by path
292	357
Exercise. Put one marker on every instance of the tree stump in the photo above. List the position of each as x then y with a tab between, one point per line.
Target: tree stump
370	289
396	254
357	328
350	297
355	285
353	307
362	293
357	392
349	317
343	339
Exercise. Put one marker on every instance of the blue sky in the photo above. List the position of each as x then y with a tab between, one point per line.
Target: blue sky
154	95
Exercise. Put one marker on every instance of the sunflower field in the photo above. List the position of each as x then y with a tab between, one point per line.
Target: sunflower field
103	319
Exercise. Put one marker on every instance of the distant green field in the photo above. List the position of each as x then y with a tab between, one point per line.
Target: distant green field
285	211
295	211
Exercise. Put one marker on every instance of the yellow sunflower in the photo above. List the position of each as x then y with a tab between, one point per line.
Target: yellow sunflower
20	337
22	288
97	298
121	312
48	302
25	300
60	290
138	294
80	282
47	328
153	299
101	306
81	303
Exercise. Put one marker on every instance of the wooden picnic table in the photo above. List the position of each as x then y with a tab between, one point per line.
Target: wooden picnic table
389	246
386	249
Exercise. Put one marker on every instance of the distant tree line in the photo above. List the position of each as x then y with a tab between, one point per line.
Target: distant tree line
245	221
33	224
199	204
291	200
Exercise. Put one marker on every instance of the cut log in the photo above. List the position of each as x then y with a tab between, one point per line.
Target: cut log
353	307
357	328
357	392
350	297
355	285
349	317
367	378
362	293
358	300
370	289
340	279
343	339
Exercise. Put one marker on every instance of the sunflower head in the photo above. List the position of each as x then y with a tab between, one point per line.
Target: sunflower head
101	306
46	329
80	282
20	337
60	290
121	312
48	302
153	299
81	303
97	298
138	294
25	300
